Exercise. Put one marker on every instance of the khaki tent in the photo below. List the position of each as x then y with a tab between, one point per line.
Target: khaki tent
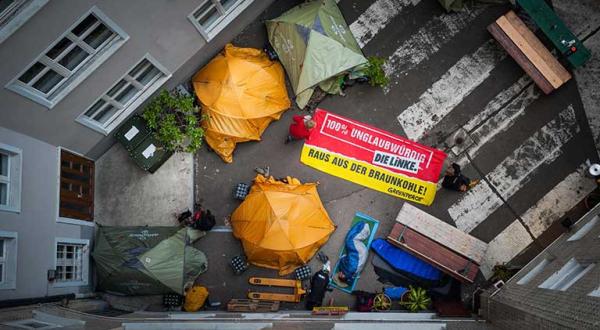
281	225
315	46
146	260
241	92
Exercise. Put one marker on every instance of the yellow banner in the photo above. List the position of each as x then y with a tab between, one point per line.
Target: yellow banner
368	175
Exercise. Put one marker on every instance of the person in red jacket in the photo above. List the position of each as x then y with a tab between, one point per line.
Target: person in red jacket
300	128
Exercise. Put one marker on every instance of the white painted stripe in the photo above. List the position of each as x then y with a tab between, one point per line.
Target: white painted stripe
500	122
498	102
550	208
507	245
446	93
376	17
544	146
503	120
558	201
427	41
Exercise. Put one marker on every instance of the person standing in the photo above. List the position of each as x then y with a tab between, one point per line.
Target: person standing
300	129
455	180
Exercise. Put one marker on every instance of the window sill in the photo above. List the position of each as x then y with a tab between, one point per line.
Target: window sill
76	222
69	284
8	286
10	209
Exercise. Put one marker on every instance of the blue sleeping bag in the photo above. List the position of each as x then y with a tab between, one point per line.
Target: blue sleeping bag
405	262
356	251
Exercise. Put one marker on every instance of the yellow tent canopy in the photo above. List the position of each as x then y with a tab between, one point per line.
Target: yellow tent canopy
241	92
281	225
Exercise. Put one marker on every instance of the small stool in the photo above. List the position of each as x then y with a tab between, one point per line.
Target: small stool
239	264
302	273
172	300
241	191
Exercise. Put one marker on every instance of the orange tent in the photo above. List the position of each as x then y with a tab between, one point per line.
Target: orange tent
241	92
281	225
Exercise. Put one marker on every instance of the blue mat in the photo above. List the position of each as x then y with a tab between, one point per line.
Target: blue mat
373	225
405	262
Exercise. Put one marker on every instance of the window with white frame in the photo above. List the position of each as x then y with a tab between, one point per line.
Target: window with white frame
10	178
584	229
212	16
533	272
8	260
125	95
14	13
570	273
70	59
72	262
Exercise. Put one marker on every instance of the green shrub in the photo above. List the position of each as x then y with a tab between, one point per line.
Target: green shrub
417	299
176	121
375	72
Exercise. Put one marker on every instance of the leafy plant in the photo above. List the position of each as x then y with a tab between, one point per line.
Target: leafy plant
502	272
375	72
175	120
416	299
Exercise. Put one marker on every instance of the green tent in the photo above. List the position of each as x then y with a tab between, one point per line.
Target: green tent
315	46
147	260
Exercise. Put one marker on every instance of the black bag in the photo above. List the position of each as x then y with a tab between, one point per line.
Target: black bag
318	287
206	222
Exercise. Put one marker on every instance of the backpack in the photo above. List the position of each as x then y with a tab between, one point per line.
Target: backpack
204	220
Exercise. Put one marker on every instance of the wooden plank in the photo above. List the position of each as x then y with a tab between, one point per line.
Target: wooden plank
74	171
68	213
65	155
520	58
529	51
84	184
433	253
536	44
74	200
442	233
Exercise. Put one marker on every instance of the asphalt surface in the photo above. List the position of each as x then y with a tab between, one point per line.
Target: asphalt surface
447	77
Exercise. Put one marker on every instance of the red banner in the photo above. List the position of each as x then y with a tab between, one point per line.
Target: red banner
373	157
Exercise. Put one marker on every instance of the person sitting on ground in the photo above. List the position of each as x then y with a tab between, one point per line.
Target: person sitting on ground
353	261
455	180
300	128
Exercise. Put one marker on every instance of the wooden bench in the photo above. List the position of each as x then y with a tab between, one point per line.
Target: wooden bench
445	247
529	52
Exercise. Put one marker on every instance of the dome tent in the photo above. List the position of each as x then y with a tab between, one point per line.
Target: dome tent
281	225
146	260
315	46
241	92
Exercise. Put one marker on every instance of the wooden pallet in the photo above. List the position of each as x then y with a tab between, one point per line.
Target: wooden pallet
249	305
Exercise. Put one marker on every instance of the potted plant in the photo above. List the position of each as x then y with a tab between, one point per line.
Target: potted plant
375	72
175	119
415	299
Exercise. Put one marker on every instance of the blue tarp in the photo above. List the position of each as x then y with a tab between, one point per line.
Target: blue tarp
395	293
405	262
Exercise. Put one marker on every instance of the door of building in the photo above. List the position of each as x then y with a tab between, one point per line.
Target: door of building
76	187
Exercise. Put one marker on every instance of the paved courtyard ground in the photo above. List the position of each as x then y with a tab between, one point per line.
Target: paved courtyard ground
448	77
